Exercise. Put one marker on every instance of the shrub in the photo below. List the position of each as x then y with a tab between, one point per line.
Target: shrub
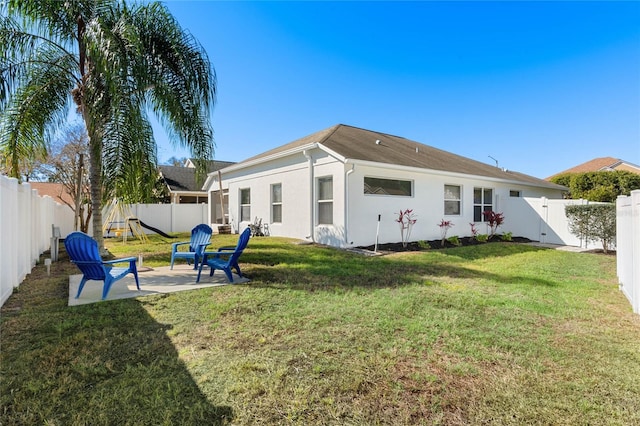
602	186
494	219
454	240
424	245
444	227
406	220
474	230
507	236
593	222
482	238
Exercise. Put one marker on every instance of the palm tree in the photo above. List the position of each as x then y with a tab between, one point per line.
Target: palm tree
116	63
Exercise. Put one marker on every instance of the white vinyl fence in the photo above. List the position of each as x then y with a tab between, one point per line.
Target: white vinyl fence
628	247
170	217
26	221
542	219
25	230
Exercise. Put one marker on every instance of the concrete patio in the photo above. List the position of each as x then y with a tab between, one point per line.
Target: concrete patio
152	281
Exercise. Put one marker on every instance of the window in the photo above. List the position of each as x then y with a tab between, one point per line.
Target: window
325	200
276	203
452	199
482	202
515	193
380	186
245	205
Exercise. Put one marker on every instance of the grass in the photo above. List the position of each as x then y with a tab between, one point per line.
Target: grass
499	333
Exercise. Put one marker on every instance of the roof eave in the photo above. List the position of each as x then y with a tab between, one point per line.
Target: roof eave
453	174
244	164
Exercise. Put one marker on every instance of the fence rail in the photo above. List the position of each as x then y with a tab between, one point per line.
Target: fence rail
25	230
628	247
26	221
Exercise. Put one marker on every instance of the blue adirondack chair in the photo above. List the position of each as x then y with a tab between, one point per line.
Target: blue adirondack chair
200	238
226	258
83	252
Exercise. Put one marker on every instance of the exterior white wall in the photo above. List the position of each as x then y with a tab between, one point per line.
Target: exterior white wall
299	208
355	214
427	204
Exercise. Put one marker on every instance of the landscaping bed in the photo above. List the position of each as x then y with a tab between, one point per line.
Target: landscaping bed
439	244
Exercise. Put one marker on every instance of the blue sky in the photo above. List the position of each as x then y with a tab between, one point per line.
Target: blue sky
540	86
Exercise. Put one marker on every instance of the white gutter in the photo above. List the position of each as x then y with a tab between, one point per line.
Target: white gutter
346	203
312	220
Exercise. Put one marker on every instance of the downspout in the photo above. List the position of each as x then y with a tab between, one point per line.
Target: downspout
346	203
311	197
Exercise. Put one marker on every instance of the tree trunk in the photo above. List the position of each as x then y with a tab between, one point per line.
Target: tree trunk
95	178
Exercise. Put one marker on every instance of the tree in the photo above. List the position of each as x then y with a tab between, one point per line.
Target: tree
177	162
68	161
604	186
116	63
593	222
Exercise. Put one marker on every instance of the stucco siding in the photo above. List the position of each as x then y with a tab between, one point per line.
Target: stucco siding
427	203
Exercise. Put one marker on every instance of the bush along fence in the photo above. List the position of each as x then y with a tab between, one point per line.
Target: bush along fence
593	223
628	247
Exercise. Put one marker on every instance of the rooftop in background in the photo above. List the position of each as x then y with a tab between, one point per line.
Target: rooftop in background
57	191
601	164
182	184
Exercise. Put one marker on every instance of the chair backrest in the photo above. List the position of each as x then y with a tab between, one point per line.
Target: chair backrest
201	234
242	244
83	251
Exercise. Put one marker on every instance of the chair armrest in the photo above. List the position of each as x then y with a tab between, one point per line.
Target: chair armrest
174	246
123	260
227	248
201	248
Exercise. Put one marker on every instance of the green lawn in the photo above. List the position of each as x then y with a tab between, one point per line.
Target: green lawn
500	333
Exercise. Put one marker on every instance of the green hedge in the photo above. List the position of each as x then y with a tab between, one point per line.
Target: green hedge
593	223
604	186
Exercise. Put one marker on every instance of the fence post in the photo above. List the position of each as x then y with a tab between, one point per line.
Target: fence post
628	247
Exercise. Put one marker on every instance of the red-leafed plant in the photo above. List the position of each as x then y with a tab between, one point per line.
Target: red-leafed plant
406	219
474	230
494	220
444	228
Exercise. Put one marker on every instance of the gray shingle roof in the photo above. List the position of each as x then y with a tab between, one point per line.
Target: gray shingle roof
181	179
359	144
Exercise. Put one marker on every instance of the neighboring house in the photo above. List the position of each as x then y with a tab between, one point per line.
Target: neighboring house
182	185
332	186
57	191
601	164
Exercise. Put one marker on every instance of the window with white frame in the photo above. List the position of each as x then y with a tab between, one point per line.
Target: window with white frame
380	186
276	203
245	205
452	199
482	202
515	193
325	200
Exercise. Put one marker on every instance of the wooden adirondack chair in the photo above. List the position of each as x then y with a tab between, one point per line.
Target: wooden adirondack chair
83	252
200	238
226	258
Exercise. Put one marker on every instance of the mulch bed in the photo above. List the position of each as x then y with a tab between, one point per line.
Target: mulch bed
437	244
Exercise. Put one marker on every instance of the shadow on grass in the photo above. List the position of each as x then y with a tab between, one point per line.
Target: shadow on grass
78	365
315	268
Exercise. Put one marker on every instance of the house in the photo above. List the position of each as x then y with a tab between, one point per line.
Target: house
333	186
601	164
57	191
181	181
